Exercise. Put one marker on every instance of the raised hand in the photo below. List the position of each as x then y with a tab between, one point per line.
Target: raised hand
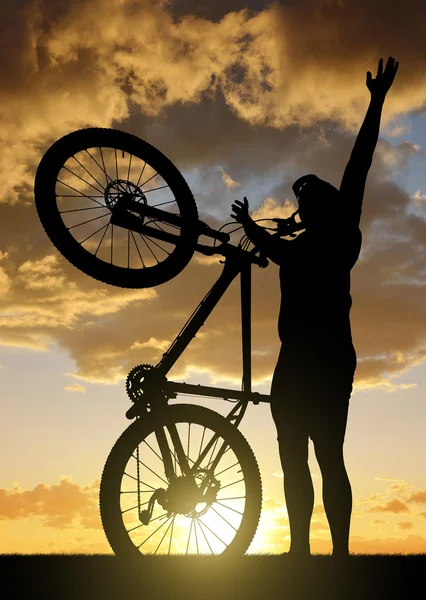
379	86
241	211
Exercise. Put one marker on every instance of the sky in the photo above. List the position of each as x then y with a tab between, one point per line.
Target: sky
243	97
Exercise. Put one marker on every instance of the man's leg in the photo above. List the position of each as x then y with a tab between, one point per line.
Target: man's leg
298	488
337	493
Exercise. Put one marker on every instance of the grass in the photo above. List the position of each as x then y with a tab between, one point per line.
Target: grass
260	577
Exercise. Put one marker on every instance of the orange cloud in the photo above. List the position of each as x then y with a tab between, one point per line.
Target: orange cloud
405	525
418	497
58	505
393	506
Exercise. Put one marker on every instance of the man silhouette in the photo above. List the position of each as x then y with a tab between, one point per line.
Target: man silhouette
312	381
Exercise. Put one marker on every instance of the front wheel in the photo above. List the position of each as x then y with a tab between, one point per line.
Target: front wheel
220	519
83	180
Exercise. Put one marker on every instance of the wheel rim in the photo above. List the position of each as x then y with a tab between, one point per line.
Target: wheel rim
89	184
195	524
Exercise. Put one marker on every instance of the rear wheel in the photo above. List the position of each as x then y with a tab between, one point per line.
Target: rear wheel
84	178
221	520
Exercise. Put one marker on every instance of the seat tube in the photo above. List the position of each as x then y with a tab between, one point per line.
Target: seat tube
246	325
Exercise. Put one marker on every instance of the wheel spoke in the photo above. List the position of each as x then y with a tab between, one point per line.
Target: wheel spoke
171	533
153	472
81	179
212	461
156	244
233	483
143	483
104	169
88	172
141	174
156	453
89	221
135	491
227	469
149	248
196	536
80	194
154	532
137	248
205	537
229	508
92	234
159	517
102	238
189	537
164	535
157	188
96	162
211	531
233	498
133	507
162	203
189	437
201	443
222	517
148	180
61	212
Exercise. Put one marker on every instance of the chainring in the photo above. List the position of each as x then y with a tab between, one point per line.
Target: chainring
134	381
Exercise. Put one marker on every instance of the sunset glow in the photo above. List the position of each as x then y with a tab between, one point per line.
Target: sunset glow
243	98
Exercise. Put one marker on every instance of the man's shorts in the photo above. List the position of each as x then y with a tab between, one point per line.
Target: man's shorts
310	395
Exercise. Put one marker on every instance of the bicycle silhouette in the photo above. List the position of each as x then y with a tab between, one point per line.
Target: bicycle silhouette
181	478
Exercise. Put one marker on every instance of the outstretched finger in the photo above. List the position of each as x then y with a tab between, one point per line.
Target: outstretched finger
369	78
380	68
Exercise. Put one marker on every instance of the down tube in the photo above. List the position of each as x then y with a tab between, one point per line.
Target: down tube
206	306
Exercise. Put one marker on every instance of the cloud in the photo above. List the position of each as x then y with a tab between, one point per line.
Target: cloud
418	497
75	387
58	505
271	504
405	525
252	90
227	179
393	506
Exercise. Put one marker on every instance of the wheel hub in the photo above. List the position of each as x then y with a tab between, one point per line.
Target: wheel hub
122	191
181	496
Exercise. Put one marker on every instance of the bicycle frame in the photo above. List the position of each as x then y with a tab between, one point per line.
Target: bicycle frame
237	262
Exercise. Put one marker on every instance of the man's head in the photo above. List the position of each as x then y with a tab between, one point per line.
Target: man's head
316	199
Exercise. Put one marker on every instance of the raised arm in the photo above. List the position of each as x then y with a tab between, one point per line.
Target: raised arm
355	175
271	245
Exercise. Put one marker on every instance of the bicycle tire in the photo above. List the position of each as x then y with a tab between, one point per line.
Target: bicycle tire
113	475
45	194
